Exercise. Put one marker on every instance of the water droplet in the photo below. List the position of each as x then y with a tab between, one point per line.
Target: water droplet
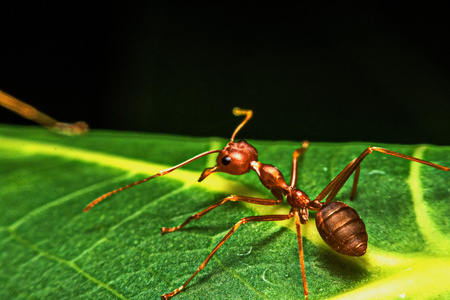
379	172
243	254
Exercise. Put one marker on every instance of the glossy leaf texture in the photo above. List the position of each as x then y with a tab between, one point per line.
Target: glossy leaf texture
50	249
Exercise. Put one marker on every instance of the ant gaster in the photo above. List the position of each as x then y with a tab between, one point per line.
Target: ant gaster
338	224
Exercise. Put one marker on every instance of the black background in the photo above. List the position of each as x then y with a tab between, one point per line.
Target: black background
376	72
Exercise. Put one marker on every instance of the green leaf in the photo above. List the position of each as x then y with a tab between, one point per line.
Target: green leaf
50	249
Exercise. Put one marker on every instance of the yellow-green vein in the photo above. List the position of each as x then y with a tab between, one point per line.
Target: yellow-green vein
215	183
426	226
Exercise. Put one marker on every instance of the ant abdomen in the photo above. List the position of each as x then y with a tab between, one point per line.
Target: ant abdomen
342	229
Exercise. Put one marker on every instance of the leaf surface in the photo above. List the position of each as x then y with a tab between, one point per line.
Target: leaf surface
50	249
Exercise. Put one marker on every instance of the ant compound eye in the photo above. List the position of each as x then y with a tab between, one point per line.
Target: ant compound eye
226	160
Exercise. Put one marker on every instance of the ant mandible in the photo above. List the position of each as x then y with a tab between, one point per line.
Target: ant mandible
338	224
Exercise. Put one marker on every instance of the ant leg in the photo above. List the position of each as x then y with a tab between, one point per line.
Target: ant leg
297	153
355	165
197	216
336	184
223	240
332	184
300	253
355	182
160	173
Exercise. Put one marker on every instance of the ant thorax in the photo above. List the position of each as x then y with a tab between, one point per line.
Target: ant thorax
297	198
270	177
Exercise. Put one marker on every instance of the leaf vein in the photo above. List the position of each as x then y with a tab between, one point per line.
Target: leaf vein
65	262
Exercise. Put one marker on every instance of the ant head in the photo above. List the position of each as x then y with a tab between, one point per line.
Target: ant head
235	159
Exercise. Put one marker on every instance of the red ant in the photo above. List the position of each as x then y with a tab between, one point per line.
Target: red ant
338	224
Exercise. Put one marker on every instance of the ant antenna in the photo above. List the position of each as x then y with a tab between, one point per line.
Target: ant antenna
236	111
160	173
241	112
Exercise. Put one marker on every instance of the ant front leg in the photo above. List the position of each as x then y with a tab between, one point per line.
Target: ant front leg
354	166
197	216
295	156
